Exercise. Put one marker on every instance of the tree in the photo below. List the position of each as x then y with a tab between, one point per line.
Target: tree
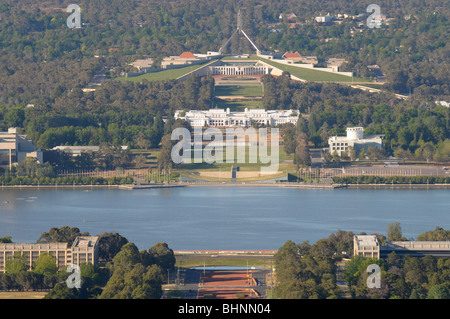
287	263
438	292
45	264
109	244
402	154
426	151
141	141
288	133
142	283
163	255
16	264
439	234
15	117
165	158
64	234
394	232
375	153
131	279
352	153
140	161
62	291
270	97
6	239
126	258
302	156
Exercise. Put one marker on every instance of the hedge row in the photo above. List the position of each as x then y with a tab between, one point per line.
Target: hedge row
77	180
392	180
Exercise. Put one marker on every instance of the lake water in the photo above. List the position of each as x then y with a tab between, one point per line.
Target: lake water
221	218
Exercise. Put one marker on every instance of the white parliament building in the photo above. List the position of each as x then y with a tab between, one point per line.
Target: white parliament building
225	118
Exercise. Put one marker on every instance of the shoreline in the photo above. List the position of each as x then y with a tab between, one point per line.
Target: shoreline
226	184
375	186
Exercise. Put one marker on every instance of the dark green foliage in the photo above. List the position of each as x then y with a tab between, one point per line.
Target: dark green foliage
392	180
138	275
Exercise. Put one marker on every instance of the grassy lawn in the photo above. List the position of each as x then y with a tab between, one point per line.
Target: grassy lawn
216	172
239	90
314	75
170	74
223	261
22	295
237	106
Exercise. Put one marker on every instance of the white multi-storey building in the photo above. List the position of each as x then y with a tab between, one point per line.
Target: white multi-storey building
226	118
355	138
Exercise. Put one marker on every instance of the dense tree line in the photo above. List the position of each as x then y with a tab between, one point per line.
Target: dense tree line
138	274
401	277
55	181
30	172
45	64
129	273
305	271
411	128
392	180
41	59
296	142
117	114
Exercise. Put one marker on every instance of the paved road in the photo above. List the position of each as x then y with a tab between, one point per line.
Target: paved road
191	281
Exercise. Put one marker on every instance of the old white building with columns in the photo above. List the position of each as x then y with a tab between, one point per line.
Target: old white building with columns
226	118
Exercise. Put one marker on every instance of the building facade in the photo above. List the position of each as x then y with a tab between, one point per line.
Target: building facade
14	148
355	139
366	246
297	57
226	118
143	65
369	247
83	250
186	58
78	150
239	68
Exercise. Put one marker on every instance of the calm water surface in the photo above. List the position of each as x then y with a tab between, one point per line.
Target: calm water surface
237	218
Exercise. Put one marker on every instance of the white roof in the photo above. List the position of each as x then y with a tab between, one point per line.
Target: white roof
366	240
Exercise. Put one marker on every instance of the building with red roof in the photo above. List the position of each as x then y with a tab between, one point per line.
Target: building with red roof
187	55
295	57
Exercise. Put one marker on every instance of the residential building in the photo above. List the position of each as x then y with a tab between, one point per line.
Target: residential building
14	148
83	250
324	19
288	16
226	118
356	139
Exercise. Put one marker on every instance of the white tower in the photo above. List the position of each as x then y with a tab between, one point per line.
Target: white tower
355	133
